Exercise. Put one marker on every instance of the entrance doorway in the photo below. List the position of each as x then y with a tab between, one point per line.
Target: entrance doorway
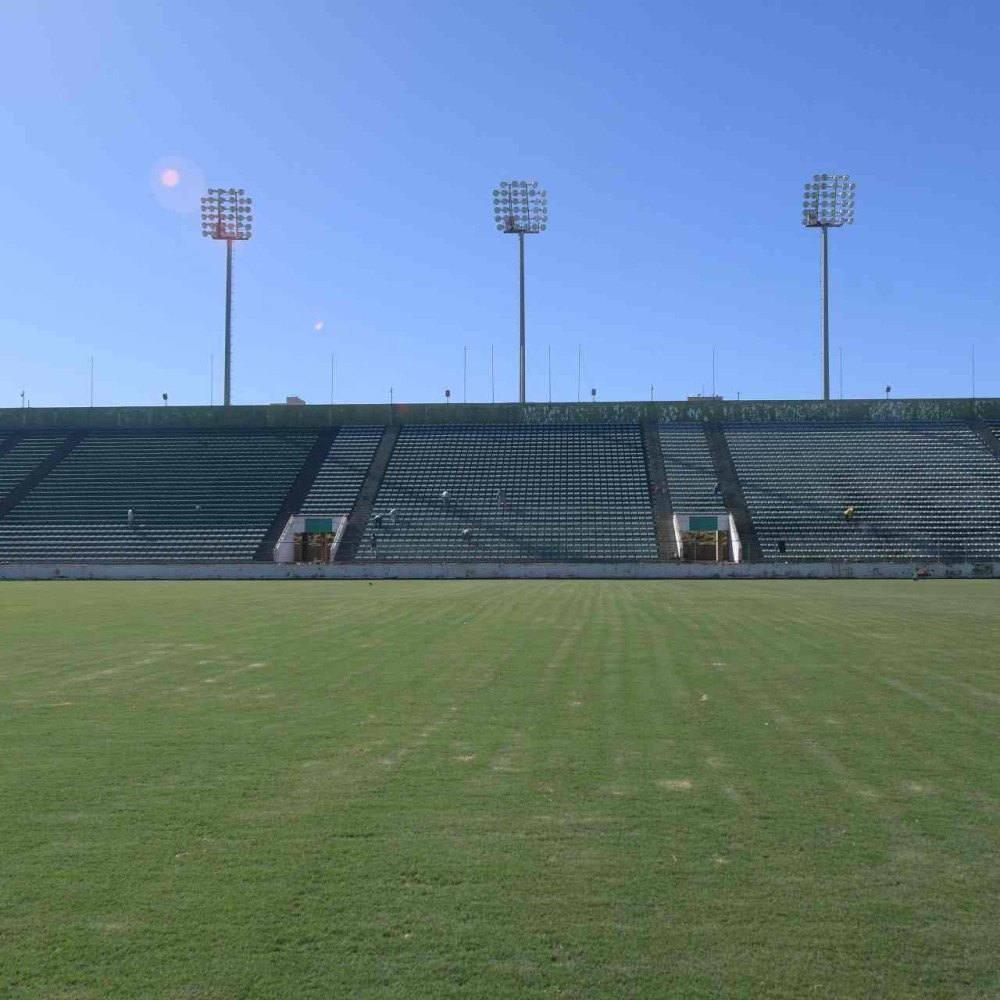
705	546
313	547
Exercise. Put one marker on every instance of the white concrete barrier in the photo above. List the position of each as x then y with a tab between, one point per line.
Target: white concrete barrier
487	570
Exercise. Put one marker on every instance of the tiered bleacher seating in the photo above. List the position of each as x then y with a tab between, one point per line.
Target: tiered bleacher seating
691	477
573	492
196	496
922	490
343	471
25	457
560	492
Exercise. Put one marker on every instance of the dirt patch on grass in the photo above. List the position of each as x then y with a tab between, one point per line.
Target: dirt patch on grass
117	924
675	784
615	791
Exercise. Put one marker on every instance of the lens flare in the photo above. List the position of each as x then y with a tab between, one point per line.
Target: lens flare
318	325
177	184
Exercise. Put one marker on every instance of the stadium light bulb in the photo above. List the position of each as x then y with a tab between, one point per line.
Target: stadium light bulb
520	207
226	214
828	201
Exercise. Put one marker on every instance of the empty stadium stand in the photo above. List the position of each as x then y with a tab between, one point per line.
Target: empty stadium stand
659	491
732	492
922	490
690	471
364	505
24	455
514	492
196	497
343	471
563	483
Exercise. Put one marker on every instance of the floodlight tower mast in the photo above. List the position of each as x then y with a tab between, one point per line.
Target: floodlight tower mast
520	207
226	215
827	201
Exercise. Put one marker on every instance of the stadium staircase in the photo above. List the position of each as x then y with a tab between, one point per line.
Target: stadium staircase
342	474
197	496
7	443
732	492
364	504
689	469
575	492
29	461
659	491
986	434
701	477
921	489
295	499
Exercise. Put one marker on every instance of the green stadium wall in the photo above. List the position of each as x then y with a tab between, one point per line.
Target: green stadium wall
283	416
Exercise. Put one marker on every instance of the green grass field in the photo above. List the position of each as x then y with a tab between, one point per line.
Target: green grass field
500	789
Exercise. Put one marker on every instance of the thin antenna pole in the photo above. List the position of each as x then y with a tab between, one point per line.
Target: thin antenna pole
550	373
211	380
465	374
651	392
493	391
92	380
331	378
973	371
841	352
713	371
579	369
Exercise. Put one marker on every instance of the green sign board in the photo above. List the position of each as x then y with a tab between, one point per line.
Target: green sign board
704	523
319	525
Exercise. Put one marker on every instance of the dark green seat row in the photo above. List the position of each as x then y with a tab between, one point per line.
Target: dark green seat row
922	490
515	492
343	471
195	496
25	457
690	472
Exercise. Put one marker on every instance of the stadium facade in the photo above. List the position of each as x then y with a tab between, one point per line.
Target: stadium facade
689	488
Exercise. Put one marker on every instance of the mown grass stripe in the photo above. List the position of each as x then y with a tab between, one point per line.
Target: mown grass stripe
499	789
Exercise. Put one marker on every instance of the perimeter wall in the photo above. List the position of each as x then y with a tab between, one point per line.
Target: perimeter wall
280	415
509	571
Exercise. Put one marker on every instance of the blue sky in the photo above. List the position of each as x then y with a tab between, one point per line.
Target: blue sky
673	140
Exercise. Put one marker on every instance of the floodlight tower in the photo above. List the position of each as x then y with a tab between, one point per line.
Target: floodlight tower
828	201
520	207
226	215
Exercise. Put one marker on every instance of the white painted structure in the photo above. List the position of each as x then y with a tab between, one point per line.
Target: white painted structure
486	571
284	550
724	522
